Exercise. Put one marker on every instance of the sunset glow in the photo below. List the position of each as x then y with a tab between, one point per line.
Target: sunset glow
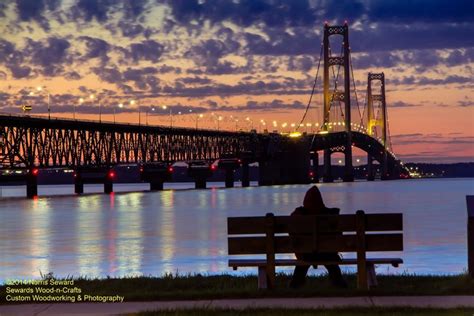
241	65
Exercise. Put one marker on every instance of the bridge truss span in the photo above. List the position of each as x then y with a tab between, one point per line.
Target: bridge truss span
336	142
27	141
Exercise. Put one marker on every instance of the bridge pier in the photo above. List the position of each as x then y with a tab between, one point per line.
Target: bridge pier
32	183
348	168
200	171
229	165
327	173
384	175
156	174
93	175
370	168
289	166
314	174
268	173
245	174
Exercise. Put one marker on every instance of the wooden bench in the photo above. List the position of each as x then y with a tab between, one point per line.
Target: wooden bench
269	235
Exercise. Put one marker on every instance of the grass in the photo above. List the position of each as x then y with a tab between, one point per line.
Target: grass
180	287
319	312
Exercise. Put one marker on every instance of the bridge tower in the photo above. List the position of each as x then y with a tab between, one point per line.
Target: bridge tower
373	121
337	95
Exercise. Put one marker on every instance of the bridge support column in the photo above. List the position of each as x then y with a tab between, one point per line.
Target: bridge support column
229	177
200	182
268	173
32	183
314	175
229	165
384	175
348	168
156	185
200	171
370	168
78	184
327	174
102	175
245	174
108	186
156	174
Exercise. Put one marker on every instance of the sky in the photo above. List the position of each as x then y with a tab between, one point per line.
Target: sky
243	64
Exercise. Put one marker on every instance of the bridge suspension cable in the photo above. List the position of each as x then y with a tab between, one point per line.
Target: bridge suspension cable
314	87
335	76
355	89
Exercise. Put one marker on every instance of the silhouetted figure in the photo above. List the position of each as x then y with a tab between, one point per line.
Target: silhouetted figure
313	205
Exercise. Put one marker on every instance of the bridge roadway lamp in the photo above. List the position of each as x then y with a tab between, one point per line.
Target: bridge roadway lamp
197	119
132	103
41	89
164	107
92	97
120	105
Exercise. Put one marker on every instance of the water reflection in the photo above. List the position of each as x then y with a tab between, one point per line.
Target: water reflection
166	231
39	234
129	241
152	233
89	228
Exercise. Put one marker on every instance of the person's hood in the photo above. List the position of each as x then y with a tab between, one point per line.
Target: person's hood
313	201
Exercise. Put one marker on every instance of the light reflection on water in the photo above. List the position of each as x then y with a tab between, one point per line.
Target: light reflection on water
152	233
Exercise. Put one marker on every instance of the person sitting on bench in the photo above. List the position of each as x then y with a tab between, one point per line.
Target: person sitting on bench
313	205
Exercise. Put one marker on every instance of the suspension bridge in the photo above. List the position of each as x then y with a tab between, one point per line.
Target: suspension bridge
92	149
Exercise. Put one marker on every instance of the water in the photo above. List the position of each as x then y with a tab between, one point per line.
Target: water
150	233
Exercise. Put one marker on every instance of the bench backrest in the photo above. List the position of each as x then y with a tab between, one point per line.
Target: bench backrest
324	233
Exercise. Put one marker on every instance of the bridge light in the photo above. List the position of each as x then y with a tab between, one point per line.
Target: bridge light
111	174
213	167
170	169
295	134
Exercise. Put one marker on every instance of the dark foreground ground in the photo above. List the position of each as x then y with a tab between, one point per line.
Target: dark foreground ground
193	287
319	312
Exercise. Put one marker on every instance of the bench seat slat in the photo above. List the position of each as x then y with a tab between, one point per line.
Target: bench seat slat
303	244
235	263
305	224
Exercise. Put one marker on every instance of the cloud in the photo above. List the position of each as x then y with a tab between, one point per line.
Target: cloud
72	75
50	56
96	48
245	12
423	80
401	104
432	11
130	30
467	102
145	50
433	139
19	71
194	80
92	9
32	10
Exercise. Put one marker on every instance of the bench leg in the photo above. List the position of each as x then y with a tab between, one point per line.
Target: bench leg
262	277
371	276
